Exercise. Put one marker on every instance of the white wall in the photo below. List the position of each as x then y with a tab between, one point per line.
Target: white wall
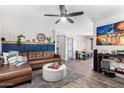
12	29
106	21
16	20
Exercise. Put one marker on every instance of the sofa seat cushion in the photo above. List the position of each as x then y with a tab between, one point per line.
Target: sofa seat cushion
52	59
37	66
34	62
9	72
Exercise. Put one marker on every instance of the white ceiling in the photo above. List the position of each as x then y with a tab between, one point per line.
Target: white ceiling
94	12
83	24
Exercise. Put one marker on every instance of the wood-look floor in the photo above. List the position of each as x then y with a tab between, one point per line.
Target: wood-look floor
91	79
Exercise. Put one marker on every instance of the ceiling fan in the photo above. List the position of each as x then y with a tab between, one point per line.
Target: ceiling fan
64	15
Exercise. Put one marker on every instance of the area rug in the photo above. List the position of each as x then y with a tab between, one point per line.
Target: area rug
39	82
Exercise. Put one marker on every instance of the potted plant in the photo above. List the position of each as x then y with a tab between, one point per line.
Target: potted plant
19	39
49	39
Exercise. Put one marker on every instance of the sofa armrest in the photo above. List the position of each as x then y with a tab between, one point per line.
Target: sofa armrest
56	56
1	62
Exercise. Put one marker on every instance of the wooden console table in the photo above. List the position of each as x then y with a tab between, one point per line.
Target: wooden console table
100	56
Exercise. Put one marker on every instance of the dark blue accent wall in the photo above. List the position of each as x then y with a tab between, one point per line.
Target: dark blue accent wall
27	47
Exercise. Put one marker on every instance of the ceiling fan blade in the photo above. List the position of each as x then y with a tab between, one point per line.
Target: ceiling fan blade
57	21
70	20
52	15
62	9
75	14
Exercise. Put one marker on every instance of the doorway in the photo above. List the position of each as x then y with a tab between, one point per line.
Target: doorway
70	48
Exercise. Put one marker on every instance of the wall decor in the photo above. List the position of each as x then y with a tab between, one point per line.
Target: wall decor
41	37
111	34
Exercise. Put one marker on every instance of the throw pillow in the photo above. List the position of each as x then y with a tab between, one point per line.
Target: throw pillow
12	58
21	59
5	54
14	52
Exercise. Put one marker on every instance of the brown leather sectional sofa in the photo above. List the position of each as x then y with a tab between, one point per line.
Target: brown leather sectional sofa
12	75
38	59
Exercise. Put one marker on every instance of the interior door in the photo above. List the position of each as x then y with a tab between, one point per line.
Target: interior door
70	48
61	46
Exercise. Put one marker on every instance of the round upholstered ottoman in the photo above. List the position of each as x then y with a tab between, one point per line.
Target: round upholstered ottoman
50	74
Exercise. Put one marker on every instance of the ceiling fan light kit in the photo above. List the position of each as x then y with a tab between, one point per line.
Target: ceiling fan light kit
64	16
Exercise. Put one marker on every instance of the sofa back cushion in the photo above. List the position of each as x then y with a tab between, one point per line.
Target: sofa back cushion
49	54
5	54
35	55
